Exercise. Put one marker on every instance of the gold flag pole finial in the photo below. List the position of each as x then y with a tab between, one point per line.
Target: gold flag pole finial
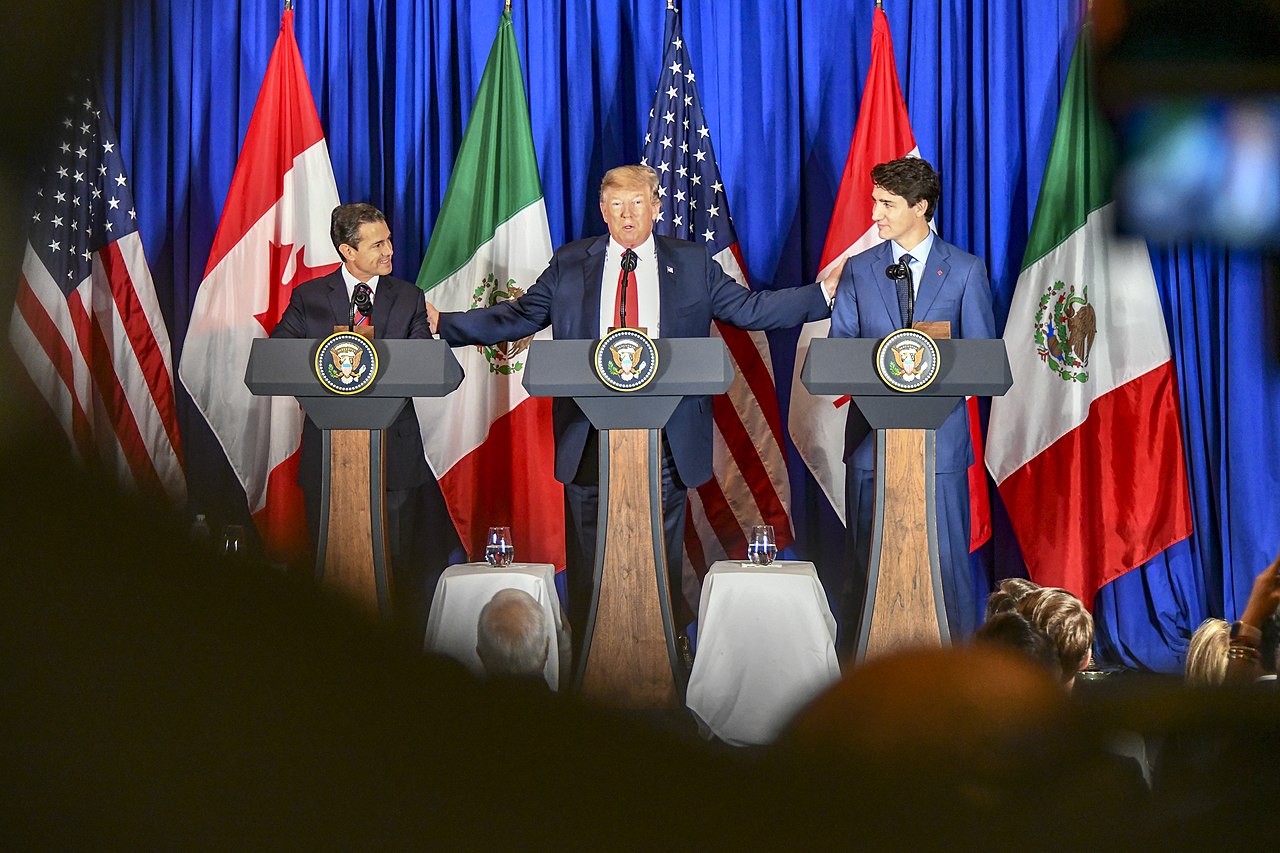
671	5
879	4
506	7
288	4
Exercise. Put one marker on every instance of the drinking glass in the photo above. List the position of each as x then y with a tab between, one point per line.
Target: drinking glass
762	547
232	540
498	548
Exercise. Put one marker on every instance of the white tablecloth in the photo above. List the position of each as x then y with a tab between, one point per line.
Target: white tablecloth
766	647
465	589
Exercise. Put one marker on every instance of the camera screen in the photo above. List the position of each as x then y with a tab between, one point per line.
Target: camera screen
1201	168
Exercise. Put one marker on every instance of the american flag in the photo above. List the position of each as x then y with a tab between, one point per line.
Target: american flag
87	326
750	485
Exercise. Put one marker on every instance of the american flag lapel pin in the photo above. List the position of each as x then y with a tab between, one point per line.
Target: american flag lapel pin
670	270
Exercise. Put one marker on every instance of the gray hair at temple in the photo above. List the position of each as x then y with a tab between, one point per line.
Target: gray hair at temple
511	636
630	176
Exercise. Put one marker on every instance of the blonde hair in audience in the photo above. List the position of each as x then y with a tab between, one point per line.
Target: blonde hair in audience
1064	618
1206	664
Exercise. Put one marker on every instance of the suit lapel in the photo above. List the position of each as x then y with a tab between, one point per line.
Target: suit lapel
880	260
592	285
383	301
935	275
668	305
338	299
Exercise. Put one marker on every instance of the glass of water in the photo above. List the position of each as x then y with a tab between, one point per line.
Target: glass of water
498	548
232	540
762	547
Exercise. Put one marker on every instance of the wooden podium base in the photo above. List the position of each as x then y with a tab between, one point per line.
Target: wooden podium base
904	605
352	552
628	648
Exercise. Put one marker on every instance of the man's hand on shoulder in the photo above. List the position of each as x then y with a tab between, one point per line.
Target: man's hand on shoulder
433	316
832	280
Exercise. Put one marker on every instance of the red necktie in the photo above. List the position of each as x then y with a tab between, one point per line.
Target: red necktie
633	301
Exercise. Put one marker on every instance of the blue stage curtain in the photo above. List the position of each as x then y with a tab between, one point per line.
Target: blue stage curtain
780	82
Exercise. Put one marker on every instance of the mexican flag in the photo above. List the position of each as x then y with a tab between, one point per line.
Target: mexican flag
489	443
1086	447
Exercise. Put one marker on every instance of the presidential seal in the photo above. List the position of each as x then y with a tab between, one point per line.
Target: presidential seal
1065	328
626	359
346	363
907	360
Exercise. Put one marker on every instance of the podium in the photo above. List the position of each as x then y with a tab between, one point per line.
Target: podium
628	655
904	604
351	555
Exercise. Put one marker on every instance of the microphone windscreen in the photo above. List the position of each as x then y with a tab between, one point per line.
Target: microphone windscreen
629	259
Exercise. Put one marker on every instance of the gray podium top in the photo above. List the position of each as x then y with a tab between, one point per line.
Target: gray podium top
686	367
285	367
970	368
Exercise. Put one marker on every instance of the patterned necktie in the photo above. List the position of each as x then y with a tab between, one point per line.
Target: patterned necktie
633	300
904	293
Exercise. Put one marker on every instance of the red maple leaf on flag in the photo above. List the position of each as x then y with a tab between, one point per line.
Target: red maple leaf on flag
278	297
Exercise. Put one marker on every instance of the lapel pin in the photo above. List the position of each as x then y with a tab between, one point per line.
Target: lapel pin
670	270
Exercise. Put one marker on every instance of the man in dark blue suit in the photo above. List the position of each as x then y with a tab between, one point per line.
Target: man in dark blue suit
679	289
951	285
362	238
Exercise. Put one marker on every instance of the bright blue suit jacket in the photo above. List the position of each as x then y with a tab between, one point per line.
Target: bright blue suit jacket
954	288
694	291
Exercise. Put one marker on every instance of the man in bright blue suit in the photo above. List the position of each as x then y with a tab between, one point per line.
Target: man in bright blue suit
679	290
951	285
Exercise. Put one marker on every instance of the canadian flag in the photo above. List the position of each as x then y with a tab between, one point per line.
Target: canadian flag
882	133
274	234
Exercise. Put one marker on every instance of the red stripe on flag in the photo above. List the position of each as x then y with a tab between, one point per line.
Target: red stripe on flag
55	348
97	355
722	520
286	115
503	482
282	521
693	545
1105	497
882	133
142	339
979	499
747	458
751	365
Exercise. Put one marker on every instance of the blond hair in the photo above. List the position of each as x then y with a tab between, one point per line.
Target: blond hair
1063	617
1206	663
620	177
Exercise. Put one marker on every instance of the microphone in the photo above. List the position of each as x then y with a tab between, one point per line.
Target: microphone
897	272
629	260
361	299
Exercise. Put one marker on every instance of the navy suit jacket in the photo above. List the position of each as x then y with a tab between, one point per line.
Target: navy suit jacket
399	311
694	290
954	288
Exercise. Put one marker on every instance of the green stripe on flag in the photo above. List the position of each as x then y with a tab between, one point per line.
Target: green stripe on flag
1077	178
496	173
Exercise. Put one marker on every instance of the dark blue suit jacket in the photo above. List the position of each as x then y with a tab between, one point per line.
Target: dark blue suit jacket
694	291
399	311
954	288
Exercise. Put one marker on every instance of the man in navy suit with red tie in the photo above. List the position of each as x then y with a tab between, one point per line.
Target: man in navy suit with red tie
951	285
678	289
361	236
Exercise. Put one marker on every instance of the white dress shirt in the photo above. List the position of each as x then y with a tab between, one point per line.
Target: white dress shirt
646	284
920	258
351	281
